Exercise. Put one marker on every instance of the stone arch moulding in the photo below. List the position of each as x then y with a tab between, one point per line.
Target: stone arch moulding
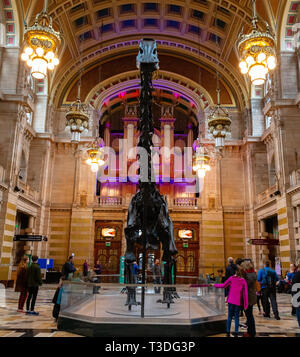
232	76
289	20
11	23
190	90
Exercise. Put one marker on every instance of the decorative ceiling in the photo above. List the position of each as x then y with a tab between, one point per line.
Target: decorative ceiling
202	32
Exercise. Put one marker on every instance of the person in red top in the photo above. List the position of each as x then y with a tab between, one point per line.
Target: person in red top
238	292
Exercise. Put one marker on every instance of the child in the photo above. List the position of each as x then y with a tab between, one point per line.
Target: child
57	299
238	291
258	297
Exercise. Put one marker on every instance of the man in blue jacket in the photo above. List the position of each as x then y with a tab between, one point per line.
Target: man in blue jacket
268	278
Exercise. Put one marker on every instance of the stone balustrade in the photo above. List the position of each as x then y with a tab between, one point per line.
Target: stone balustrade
186	202
28	191
264	196
109	201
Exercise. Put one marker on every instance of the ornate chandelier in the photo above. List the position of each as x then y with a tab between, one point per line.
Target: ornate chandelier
201	162
219	123
41	42
77	120
257	51
95	156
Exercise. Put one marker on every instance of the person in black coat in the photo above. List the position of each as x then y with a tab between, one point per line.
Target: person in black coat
68	268
295	290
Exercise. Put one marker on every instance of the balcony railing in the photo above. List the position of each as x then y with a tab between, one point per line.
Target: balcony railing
185	202
264	196
28	191
109	201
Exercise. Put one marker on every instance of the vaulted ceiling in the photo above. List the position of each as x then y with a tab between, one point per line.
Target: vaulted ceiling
202	32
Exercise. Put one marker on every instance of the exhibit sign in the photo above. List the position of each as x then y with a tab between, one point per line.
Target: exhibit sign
185	233
263	241
108	232
29	238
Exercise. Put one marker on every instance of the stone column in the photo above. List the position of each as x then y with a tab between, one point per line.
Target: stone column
130	121
107	133
167	121
190	135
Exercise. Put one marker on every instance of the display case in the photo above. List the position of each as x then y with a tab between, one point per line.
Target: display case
100	310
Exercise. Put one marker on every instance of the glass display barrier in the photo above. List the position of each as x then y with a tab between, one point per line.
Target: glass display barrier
100	309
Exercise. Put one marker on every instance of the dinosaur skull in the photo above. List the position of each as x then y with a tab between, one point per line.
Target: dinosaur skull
147	53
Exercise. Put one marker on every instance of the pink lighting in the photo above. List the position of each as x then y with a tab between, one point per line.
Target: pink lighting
192	104
122	94
176	95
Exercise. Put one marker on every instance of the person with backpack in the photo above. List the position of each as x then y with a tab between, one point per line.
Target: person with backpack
268	278
68	268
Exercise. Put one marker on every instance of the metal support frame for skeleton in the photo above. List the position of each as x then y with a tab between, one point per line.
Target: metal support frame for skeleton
148	211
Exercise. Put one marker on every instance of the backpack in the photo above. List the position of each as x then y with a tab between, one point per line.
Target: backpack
270	279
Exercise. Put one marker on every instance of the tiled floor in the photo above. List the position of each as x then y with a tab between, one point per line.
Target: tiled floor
15	324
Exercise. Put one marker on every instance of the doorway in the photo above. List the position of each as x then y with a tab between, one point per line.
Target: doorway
107	248
22	223
186	235
271	224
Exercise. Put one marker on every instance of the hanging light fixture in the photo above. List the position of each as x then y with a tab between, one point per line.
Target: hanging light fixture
95	156
218	118
257	51
219	123
77	119
201	162
41	42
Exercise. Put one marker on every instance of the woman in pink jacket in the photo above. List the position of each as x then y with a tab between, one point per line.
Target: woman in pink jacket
238	293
